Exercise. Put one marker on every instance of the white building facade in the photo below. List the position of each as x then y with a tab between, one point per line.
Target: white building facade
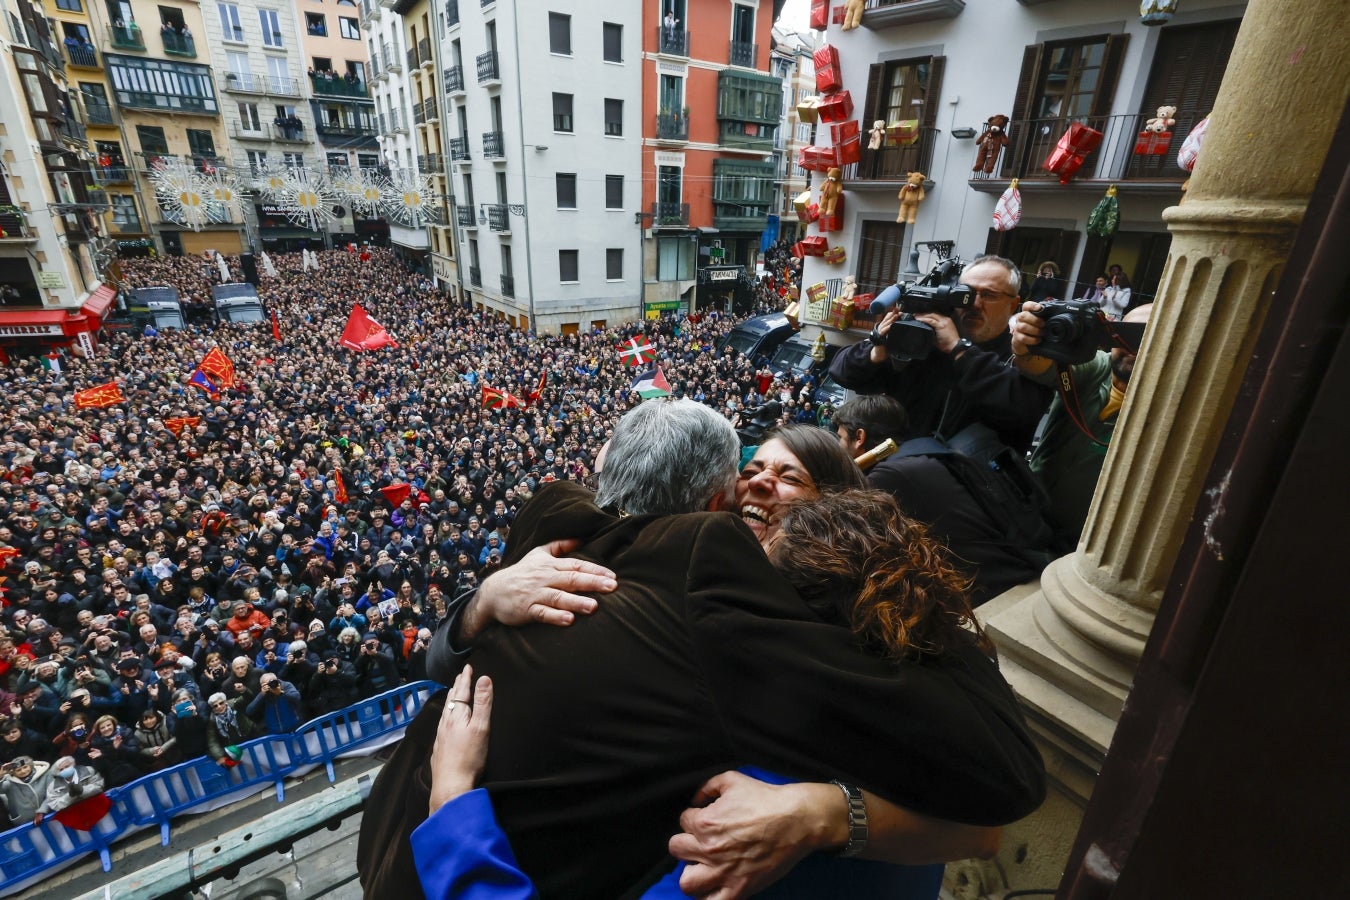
389	74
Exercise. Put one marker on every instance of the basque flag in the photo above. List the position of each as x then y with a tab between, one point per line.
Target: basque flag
636	351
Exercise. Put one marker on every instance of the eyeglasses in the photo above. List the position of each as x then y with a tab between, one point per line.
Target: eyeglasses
986	295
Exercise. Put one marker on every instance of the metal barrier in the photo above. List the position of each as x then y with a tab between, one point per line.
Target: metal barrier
28	852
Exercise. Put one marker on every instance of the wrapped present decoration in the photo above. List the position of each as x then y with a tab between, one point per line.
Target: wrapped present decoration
903	132
835	255
850	151
801	202
838	14
828	76
1153	143
863	301
816	159
790	313
840	315
812	211
836	107
820	14
1069	154
1190	148
1008	209
834	222
817	305
815	245
808	110
844	130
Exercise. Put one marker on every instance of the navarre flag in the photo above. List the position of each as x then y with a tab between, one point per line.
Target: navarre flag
202	383
340	491
218	367
397	493
276	328
538	392
364	333
652	383
99	397
636	351
182	422
495	399
8	553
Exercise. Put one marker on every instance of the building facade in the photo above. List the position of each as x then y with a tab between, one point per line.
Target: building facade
792	62
391	75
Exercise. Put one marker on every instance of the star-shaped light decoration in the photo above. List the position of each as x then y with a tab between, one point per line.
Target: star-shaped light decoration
410	200
307	199
362	191
182	193
269	182
222	189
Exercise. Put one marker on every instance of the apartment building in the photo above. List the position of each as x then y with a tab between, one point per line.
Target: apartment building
52	247
391	75
543	100
711	114
792	62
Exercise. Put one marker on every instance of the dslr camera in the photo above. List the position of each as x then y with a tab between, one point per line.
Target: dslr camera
940	291
1075	330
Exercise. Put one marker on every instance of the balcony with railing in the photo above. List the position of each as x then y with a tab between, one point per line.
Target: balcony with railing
451	13
246	132
890	13
118	173
670	214
82	56
347	128
176	44
391	61
486	2
671	41
282	86
377	70
431	164
487	67
424	57
412	58
475	276
454	80
887	167
367	12
126	37
1126	157
424	112
508	285
743	53
245	83
14	226
98	111
459	150
494	145
499	219
464	217
672	126
128	223
392	122
339	86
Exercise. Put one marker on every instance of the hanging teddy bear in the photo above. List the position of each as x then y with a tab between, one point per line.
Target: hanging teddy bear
911	195
830	190
993	140
877	136
1163	122
853	13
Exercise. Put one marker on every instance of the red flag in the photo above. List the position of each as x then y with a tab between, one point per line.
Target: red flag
538	392
98	397
397	493
636	351
340	493
218	367
276	328
177	425
6	554
495	399
83	816
364	333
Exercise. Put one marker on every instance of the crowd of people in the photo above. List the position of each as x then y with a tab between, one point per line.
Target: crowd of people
180	570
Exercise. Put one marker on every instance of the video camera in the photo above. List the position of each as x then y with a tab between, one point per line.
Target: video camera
940	291
1075	330
752	424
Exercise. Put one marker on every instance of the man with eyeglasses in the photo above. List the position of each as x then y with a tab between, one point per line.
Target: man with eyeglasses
968	378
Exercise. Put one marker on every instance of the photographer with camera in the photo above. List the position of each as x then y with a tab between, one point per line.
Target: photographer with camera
376	669
278	705
333	685
966	378
1069	459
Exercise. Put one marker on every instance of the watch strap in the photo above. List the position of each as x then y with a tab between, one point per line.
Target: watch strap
857	819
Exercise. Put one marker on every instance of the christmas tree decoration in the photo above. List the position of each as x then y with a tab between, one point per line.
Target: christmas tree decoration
1008	210
1105	216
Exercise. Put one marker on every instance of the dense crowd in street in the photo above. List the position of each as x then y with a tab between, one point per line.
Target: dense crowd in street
171	595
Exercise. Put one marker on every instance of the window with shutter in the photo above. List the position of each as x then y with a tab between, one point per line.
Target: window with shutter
896	91
880	256
1028	247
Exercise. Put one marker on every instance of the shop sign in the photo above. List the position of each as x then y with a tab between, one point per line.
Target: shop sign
51	280
28	330
723	274
664	305
441	267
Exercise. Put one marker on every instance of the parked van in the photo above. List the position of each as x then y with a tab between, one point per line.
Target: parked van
155	306
760	335
793	358
237	302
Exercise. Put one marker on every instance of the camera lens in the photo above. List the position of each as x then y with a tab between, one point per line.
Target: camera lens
1063	329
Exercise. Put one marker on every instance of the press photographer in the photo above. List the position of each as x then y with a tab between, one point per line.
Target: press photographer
966	378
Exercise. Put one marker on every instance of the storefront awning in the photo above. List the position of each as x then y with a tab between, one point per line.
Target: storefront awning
40	322
99	301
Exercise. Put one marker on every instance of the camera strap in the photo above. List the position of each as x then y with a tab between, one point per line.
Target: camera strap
1068	392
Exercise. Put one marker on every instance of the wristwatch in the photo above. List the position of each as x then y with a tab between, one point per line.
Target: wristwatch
857	819
962	346
876	337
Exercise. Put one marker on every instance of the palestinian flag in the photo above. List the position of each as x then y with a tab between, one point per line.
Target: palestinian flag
495	399
651	383
106	394
636	351
52	362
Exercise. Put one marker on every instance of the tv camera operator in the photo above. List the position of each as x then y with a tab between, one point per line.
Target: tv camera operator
942	348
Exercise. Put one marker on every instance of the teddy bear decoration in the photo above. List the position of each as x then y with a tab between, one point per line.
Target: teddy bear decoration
911	195
1163	122
877	136
830	189
853	13
990	142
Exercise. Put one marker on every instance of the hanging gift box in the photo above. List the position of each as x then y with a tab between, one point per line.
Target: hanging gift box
844	131
840	315
820	14
903	132
1068	156
863	301
828	76
790	313
850	151
836	107
834	221
816	159
834	256
801	202
808	110
817	305
1008	210
838	14
813	245
1153	143
812	212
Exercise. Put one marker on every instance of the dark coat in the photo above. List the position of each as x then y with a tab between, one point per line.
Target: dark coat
703	659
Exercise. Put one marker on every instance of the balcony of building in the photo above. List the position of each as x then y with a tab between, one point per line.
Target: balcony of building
891	13
459	150
508	285
14	226
487	68
484	3
475	276
377	69
431	164
425	112
339	86
668	214
886	167
118	173
81	55
748	109
451	13
672	41
98	111
672	126
746	136
127	221
454	80
498	218
424	56
367	13
1128	157
126	37
742	53
413	58
348	128
392	63
392	123
282	86
494	145
742	194
464	217
177	44
245	83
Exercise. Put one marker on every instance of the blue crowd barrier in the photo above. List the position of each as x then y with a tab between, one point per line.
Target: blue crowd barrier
29	852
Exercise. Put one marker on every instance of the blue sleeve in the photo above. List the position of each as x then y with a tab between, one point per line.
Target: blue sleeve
462	853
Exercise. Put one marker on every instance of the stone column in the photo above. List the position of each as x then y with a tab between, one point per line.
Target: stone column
1072	644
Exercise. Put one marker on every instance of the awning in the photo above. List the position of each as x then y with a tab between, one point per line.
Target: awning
41	323
99	301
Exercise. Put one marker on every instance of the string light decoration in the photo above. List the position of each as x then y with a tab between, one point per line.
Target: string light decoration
269	182
362	191
409	199
307	199
182	193
221	188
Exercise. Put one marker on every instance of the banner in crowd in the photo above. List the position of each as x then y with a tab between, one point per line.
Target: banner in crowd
178	425
495	399
218	367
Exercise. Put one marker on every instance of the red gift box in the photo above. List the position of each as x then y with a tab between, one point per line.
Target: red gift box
1068	156
844	131
863	301
816	159
813	245
1153	143
828	76
849	152
820	14
836	107
1063	164
813	212
837	14
835	222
